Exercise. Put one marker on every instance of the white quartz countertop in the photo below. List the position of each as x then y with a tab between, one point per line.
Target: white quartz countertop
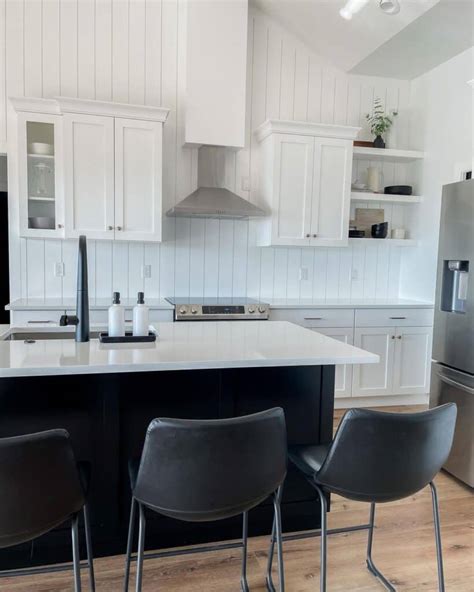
70	303
348	303
182	346
160	303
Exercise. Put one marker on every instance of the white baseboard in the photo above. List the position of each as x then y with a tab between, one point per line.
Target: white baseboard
383	401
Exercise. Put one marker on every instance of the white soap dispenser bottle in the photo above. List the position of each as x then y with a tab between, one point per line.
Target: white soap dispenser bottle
116	317
140	316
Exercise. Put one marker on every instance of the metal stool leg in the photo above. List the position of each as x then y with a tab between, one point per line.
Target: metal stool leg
370	564
324	537
277	537
243	579
75	553
141	547
128	556
439	550
90	556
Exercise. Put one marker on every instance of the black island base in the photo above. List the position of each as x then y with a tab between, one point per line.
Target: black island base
107	416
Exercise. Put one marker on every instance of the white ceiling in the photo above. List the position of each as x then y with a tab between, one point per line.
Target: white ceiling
439	34
345	43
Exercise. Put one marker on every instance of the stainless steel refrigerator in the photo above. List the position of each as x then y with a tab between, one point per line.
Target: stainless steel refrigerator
452	377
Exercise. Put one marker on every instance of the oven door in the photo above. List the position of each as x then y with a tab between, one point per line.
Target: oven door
448	385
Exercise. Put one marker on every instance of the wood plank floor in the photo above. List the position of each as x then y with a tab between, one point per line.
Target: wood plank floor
404	550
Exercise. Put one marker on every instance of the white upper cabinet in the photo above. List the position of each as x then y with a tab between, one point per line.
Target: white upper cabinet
330	204
305	182
39	158
138	167
216	72
90	167
89	176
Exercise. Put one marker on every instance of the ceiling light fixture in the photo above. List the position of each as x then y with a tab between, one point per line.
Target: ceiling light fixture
351	8
390	6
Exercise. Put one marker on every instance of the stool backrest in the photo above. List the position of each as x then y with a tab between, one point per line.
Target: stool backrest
198	470
39	485
378	456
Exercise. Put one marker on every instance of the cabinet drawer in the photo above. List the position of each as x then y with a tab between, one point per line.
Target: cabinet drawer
35	318
394	317
315	317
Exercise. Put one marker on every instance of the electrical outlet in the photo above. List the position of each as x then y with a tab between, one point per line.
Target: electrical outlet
303	274
245	183
146	272
59	269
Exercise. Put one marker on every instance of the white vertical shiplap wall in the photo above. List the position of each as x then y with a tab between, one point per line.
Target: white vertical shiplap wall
134	51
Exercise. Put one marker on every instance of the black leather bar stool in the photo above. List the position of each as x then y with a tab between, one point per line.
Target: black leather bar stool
206	470
379	457
42	486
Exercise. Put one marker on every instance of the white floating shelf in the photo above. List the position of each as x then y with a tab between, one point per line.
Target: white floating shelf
385	198
393	242
41	156
387	154
38	198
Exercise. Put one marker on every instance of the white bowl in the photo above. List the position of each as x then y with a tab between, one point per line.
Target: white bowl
41	148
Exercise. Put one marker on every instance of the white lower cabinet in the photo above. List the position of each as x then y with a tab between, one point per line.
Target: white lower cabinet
412	360
374	379
343	379
405	356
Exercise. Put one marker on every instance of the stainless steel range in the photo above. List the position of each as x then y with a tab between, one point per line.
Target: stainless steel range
219	309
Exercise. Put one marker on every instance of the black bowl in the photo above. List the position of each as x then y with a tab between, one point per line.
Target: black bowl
379	230
398	190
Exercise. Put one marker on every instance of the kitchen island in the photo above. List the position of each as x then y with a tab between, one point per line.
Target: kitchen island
106	395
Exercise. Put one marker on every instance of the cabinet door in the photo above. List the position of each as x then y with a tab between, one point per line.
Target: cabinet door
343	383
331	192
374	379
138	187
293	175
40	170
89	176
411	373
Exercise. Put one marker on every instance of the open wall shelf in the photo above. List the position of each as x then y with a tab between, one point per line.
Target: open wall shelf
384	198
360	152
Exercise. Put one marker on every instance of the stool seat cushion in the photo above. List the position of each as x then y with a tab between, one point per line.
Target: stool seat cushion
309	459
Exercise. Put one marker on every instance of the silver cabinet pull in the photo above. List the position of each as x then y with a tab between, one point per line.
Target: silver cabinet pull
313	318
39	322
458	385
397	318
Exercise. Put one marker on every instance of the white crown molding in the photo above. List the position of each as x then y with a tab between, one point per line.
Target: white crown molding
61	105
35	105
305	128
110	109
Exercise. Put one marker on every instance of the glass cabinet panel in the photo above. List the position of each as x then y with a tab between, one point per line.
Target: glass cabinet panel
41	175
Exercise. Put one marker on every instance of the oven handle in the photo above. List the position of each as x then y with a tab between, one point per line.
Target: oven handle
458	385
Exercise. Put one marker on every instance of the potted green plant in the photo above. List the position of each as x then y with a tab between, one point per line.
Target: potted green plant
379	122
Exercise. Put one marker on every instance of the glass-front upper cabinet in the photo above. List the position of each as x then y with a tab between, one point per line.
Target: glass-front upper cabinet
40	170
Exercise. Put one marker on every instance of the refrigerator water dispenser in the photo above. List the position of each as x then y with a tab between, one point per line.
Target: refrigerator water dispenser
455	285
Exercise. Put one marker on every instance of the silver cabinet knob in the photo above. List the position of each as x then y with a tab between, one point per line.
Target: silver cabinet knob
60	226
399	337
119	228
110	227
393	336
315	235
308	236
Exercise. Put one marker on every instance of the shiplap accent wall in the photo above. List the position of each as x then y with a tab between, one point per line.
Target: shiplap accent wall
134	51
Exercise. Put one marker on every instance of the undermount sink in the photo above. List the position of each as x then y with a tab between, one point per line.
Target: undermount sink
43	335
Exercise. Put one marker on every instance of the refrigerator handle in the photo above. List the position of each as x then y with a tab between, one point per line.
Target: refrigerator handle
458	385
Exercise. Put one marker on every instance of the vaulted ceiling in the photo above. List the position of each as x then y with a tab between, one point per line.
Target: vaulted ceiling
349	45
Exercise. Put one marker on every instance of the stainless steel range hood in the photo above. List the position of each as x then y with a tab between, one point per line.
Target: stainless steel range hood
211	199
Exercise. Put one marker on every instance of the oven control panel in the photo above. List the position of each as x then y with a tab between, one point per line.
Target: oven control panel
222	312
